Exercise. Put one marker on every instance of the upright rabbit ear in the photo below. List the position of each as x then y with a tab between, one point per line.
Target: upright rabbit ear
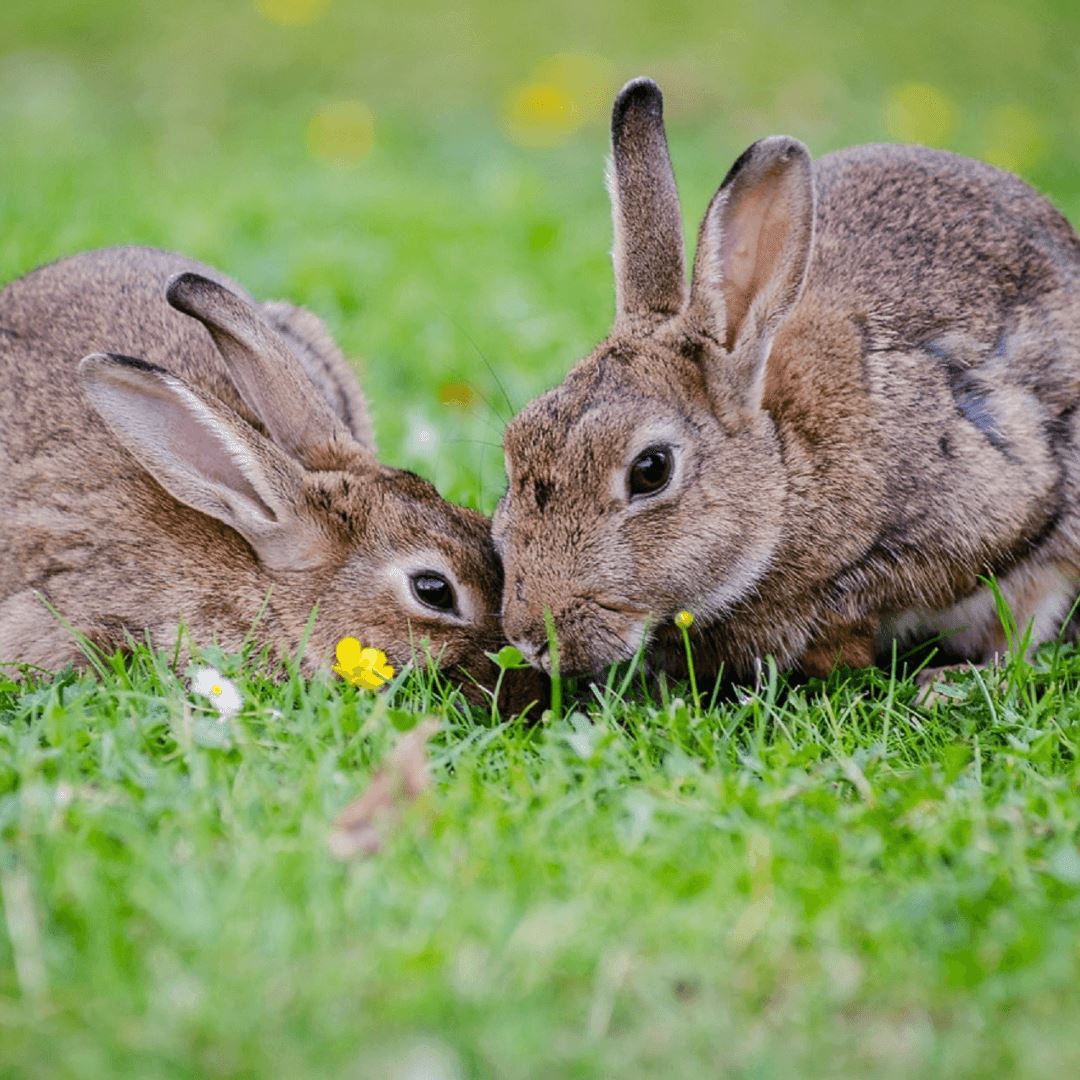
754	251
650	275
206	457
268	376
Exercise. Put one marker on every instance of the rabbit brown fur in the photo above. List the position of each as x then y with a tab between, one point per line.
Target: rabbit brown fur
866	398
191	469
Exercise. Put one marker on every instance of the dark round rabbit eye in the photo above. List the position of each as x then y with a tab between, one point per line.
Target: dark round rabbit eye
433	591
651	471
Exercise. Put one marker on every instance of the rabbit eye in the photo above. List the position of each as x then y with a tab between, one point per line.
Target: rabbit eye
651	471
433	591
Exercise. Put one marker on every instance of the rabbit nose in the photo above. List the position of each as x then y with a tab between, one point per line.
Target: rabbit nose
536	652
524	631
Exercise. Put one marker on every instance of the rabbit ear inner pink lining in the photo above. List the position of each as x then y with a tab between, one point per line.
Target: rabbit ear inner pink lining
204	455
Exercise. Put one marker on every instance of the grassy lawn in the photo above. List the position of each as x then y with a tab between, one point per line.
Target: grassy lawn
815	880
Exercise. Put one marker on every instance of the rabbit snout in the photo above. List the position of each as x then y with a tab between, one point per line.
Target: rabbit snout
589	632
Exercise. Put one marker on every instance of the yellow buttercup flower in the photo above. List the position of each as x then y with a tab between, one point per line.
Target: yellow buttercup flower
540	114
367	668
684	620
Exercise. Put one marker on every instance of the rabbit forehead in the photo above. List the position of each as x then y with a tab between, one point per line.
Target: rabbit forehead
386	515
415	517
606	403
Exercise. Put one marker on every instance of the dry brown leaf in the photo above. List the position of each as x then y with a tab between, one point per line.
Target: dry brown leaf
362	827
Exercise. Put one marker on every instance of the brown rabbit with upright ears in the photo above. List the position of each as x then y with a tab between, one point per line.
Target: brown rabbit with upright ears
212	456
864	402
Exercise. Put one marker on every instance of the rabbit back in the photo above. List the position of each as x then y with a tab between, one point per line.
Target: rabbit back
917	240
109	300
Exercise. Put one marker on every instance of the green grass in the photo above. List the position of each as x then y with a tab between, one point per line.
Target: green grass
821	880
811	881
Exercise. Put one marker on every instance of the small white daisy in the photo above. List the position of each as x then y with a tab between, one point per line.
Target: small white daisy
222	692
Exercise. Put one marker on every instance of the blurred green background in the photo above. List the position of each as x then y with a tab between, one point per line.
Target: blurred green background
819	882
428	177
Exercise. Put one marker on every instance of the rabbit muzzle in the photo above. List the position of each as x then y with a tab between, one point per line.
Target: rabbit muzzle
590	633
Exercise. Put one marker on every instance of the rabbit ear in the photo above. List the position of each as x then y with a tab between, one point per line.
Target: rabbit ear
754	250
268	376
205	456
650	275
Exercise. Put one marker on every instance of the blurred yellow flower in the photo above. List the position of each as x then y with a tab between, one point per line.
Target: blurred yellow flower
919	113
539	114
366	668
291	12
563	92
1013	138
455	393
684	620
341	132
585	77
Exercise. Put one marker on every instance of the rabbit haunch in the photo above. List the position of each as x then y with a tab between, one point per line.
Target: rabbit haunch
210	464
864	402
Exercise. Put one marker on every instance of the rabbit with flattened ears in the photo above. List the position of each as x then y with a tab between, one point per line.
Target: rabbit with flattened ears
864	402
214	467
